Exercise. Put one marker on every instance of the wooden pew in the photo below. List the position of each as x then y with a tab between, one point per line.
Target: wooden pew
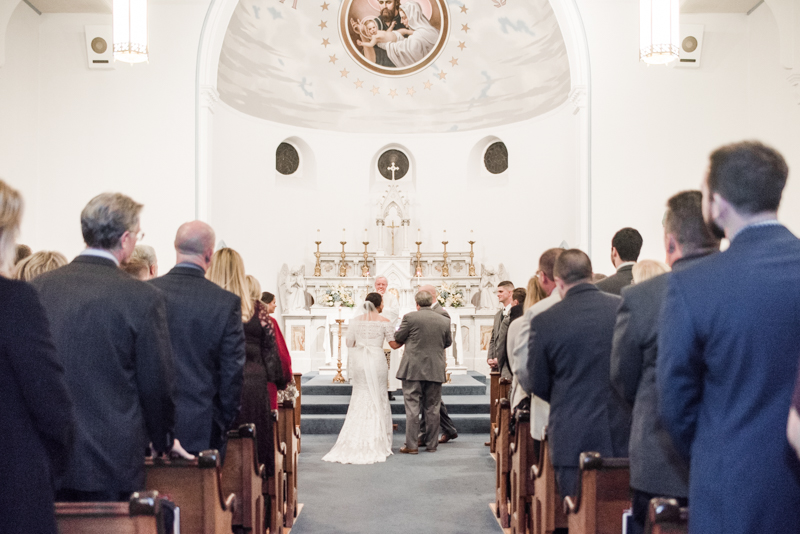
666	516
524	455
194	486
502	390
274	489
242	475
290	438
298	403
547	512
494	391
143	514
503	463
603	495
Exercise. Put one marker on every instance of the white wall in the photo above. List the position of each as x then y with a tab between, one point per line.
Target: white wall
653	127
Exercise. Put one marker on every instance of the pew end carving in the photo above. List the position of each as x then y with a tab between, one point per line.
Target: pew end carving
603	495
666	516
524	455
142	514
503	463
547	513
243	476
290	438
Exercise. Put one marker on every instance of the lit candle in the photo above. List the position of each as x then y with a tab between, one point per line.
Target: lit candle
419	235
366	235
444	236
318	239
344	235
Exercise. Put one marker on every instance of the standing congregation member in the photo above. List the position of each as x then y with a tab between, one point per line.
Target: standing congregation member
570	356
111	333
39	263
391	312
205	327
657	470
22	252
727	352
540	411
448	428
533	294
37	421
625	248
425	334
505	293
501	351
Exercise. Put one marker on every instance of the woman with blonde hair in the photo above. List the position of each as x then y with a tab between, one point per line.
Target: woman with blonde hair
647	269
534	294
37	422
263	341
38	263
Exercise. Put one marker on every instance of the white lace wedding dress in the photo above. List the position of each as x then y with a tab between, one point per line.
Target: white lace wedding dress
366	436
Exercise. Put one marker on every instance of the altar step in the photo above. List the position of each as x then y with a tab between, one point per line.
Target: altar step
325	404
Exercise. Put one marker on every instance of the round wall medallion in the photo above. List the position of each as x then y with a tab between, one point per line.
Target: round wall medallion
689	44
394	37
496	158
287	159
393	164
99	45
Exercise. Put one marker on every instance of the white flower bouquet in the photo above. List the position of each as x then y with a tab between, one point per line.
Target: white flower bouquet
450	296
338	295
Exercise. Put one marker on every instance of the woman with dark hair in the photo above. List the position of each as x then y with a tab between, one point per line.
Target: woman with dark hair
366	435
269	299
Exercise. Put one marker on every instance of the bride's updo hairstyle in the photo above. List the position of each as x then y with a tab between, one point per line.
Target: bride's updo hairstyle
375	299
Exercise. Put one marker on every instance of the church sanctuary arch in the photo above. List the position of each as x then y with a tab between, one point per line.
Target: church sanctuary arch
569	22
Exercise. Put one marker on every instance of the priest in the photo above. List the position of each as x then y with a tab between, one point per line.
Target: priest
391	311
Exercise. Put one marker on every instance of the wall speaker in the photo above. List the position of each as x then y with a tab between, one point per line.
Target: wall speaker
691	46
99	47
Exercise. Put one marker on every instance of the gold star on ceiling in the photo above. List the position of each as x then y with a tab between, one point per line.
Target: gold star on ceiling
410	91
464	9
375	90
393	93
465	28
344	73
454	61
323	25
333	59
428	84
441	75
359	84
326	42
324	6
462	45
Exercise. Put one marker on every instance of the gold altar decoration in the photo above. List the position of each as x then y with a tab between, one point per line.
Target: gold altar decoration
317	267
339	378
445	267
471	259
343	264
365	267
418	270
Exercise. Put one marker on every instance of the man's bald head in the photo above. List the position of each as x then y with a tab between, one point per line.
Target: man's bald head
429	289
194	243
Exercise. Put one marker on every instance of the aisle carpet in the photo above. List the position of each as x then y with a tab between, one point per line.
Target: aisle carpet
448	491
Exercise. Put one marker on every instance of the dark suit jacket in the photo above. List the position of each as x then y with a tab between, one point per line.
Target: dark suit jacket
111	334
614	283
36	417
727	358
425	334
205	327
656	467
570	348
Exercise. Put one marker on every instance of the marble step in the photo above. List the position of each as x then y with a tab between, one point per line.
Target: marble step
332	424
338	404
460	385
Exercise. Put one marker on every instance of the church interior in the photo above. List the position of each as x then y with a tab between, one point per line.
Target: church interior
524	125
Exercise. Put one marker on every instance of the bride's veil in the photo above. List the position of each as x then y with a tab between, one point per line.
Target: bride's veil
367	312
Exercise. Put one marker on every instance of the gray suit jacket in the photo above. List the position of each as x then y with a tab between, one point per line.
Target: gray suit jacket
656	467
493	343
425	334
440	310
614	283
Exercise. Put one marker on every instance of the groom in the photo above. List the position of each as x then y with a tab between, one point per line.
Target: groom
425	334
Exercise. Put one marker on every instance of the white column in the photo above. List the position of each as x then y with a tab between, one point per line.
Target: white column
208	97
579	98
406	224
379	224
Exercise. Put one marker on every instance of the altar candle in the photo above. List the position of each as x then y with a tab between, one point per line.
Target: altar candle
419	235
344	234
318	239
366	235
444	236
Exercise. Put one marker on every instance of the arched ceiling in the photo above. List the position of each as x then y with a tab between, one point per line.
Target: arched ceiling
488	63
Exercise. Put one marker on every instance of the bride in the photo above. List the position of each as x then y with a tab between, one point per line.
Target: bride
366	436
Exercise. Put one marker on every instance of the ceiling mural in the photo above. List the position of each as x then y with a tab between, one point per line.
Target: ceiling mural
417	66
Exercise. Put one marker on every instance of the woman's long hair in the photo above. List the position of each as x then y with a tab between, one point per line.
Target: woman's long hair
227	271
534	294
10	219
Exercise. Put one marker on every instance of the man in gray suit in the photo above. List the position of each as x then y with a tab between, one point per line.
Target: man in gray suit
505	294
657	470
426	334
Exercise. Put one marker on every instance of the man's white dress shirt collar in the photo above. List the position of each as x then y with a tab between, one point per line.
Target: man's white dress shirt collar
100	253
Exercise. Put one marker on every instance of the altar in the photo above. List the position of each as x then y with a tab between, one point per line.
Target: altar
333	285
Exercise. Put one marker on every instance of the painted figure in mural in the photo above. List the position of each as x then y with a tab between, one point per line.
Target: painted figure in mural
390	14
371	35
407	52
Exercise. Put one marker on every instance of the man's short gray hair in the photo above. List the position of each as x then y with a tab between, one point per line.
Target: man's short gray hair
106	217
145	253
423	299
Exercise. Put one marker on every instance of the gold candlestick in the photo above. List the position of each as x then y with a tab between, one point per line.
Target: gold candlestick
445	267
471	259
343	264
365	267
339	378
317	267
418	272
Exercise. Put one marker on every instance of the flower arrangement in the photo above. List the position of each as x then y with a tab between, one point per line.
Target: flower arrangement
338	295
450	296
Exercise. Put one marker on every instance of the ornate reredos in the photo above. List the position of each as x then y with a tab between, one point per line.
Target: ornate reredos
393	196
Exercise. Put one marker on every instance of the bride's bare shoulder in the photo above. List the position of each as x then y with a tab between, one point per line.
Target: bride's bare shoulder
383	319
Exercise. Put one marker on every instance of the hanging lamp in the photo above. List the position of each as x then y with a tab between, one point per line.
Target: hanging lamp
659	31
130	30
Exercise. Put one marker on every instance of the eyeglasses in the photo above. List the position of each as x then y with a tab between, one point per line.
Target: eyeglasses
139	236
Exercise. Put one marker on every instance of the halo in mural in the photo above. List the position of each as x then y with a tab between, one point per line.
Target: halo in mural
391	38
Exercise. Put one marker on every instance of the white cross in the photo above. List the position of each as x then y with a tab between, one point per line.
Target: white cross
392	169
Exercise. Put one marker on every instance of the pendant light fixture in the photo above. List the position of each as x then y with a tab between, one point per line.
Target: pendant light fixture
130	30
659	31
